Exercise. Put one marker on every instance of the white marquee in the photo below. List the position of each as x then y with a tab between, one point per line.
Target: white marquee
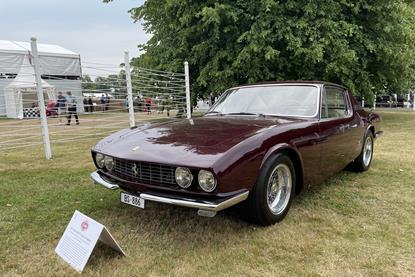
60	69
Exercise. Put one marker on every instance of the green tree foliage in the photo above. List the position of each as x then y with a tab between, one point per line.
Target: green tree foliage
365	45
114	84
87	83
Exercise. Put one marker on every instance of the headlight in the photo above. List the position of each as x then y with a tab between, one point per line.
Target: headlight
207	181
109	162
99	159
183	177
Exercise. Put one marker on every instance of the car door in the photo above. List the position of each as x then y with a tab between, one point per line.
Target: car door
335	127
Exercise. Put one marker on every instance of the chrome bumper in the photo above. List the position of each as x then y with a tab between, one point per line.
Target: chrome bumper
206	208
98	179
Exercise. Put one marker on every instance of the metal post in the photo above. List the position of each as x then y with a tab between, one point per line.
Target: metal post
374	103
129	89
413	102
186	74
39	91
363	102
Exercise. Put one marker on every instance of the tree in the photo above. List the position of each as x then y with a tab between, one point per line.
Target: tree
87	83
114	84
365	45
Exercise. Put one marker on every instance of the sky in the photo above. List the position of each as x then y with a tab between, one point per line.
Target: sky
99	32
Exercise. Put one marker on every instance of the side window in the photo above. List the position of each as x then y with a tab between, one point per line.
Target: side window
333	104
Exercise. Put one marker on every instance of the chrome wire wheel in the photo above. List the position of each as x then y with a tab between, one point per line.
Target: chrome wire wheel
279	189
368	151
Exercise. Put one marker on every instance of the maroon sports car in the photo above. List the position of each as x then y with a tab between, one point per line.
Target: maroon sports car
259	145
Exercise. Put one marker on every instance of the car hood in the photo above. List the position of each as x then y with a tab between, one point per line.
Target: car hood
194	142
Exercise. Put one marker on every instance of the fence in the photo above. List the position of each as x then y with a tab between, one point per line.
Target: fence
136	95
390	102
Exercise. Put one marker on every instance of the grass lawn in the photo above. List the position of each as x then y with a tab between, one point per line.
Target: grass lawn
353	224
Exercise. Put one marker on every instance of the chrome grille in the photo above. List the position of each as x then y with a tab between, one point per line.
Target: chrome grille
146	173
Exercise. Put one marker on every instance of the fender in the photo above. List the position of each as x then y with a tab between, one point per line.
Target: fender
368	129
280	147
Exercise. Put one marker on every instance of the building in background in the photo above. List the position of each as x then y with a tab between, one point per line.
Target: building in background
60	70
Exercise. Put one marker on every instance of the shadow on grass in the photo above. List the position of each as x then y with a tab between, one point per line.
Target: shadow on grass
102	254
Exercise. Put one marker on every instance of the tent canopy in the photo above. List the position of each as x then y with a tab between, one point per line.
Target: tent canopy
53	59
19	47
25	79
23	84
60	69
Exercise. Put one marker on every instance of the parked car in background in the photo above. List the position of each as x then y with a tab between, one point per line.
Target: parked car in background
399	101
258	146
390	101
384	101
202	106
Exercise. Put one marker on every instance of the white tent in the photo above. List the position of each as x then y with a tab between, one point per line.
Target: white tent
24	84
60	68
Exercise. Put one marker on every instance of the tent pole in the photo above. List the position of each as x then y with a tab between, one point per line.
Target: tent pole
129	89
41	100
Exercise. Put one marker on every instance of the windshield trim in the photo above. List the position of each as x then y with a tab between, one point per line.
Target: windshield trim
275	85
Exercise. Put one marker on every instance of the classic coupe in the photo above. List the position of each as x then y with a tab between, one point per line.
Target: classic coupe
257	147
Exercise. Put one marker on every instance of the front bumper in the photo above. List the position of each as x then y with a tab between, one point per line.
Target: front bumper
206	207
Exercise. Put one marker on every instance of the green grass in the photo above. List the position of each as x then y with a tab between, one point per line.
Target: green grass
351	225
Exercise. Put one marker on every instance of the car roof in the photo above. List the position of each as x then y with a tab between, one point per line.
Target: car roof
291	82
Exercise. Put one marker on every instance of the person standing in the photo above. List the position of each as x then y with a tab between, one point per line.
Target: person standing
147	102
90	104
107	102
86	107
103	101
126	103
60	104
71	104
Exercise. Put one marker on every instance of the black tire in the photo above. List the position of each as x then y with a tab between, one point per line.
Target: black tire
359	164
259	211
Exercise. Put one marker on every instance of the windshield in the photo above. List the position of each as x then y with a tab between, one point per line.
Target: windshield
285	100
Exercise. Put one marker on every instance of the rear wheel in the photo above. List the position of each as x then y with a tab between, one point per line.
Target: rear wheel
271	197
364	160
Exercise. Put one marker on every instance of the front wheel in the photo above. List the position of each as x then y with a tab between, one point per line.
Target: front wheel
363	162
271	197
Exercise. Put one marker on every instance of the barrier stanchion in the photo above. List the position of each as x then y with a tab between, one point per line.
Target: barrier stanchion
129	89
413	102
187	82
39	90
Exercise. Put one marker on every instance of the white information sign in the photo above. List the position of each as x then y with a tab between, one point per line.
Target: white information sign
79	239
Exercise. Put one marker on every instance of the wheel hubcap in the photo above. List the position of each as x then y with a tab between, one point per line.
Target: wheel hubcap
279	189
367	151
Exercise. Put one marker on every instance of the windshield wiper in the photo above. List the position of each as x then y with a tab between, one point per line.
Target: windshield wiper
246	113
214	112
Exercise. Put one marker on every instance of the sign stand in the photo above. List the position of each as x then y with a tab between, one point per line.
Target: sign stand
79	240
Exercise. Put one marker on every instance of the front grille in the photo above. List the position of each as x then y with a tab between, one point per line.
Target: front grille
146	173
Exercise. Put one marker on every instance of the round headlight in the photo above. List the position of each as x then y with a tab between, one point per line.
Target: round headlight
183	177
99	159
207	181
109	162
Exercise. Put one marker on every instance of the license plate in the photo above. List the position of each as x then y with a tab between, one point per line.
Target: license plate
132	200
